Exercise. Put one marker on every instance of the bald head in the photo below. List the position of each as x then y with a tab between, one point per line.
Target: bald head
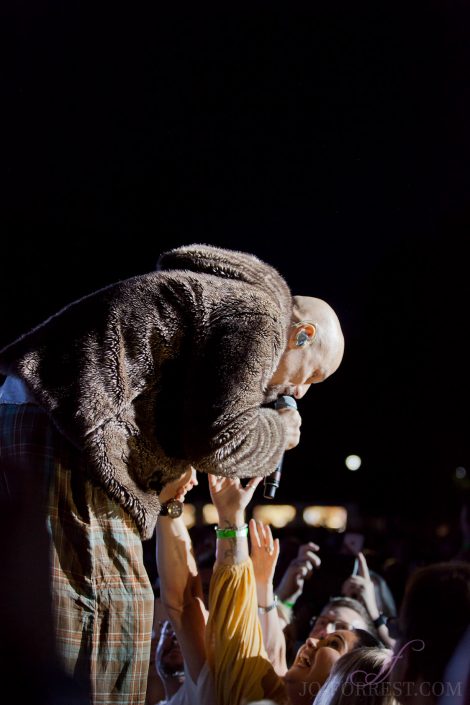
329	336
314	348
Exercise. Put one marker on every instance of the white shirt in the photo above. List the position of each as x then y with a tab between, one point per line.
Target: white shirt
199	693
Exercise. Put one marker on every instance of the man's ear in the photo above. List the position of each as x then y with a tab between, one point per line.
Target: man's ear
302	334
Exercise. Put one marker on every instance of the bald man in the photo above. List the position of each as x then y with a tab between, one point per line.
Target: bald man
314	350
115	396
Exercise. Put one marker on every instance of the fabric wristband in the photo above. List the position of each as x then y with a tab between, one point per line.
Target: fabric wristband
232	533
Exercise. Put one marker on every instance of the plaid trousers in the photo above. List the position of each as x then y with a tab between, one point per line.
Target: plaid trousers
102	600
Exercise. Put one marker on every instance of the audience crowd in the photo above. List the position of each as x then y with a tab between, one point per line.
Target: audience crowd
279	622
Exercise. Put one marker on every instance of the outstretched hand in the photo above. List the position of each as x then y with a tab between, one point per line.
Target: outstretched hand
177	489
361	587
229	496
264	551
298	571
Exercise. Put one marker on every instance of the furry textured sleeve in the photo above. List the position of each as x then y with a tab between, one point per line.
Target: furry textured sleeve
165	370
226	429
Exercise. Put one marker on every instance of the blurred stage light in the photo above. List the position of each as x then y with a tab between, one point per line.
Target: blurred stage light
442	531
209	514
277	515
326	517
460	473
189	515
353	462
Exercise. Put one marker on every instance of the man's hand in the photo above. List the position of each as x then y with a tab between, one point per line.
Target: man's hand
292	421
361	587
230	498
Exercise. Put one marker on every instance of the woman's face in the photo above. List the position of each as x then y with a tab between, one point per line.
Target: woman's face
313	664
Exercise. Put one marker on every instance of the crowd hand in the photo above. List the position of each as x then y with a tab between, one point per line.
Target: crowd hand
264	552
293	421
361	587
298	571
177	489
229	496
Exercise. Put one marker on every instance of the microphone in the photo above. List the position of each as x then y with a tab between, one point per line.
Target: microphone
271	482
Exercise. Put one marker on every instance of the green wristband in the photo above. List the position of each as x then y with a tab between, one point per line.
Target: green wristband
232	533
288	604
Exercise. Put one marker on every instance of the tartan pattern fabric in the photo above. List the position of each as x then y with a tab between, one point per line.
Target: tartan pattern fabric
102	599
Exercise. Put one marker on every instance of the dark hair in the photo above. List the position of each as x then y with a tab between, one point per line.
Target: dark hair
436	610
359	607
367	639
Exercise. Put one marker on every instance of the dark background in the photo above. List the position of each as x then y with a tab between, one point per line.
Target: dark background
331	140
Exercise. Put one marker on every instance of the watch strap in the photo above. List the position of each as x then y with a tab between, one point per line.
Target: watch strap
268	608
380	620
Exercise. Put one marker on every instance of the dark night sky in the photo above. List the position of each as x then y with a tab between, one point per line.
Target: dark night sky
331	141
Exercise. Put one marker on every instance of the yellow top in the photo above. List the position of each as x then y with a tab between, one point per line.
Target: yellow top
234	642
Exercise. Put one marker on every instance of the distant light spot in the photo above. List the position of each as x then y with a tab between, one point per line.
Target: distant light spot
353	462
442	531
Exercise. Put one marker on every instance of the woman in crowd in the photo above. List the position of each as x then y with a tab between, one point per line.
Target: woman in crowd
360	677
234	641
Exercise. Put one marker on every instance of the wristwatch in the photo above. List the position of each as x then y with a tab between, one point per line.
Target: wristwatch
381	619
173	509
265	610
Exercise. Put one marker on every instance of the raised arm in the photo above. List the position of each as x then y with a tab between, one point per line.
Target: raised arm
362	588
230	499
236	654
264	555
181	589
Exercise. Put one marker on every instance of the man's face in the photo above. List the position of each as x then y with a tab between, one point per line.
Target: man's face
168	659
334	618
297	370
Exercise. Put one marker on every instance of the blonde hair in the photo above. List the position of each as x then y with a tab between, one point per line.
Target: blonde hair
352	682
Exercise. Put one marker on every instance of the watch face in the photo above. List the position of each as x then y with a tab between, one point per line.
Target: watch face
174	508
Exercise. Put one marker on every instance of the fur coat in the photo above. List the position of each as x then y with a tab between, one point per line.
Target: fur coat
163	370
